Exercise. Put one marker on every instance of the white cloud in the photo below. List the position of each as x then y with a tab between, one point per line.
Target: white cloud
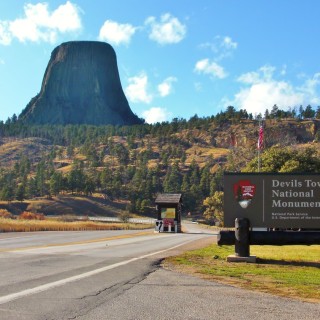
66	18
222	47
262	96
310	89
264	74
137	89
283	71
249	77
5	37
39	24
165	88
212	68
229	44
116	33
156	114
168	30
262	91
140	90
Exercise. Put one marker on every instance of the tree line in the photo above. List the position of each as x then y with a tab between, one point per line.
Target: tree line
134	163
78	134
138	184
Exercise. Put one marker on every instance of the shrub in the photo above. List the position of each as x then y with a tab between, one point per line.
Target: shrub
26	215
4	213
125	216
67	218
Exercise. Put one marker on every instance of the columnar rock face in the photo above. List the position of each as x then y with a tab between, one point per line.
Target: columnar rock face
81	85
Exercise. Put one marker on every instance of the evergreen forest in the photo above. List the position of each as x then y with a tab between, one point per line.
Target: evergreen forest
132	164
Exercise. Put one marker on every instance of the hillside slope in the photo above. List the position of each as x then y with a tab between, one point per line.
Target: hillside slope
128	166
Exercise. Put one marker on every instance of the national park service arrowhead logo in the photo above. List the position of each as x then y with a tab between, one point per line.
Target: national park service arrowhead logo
243	192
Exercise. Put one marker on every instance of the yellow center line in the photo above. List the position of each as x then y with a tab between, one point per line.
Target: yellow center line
124	236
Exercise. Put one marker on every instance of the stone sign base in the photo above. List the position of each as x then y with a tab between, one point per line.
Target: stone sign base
234	258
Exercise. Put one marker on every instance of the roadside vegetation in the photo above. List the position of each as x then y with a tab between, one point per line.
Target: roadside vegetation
28	221
8	225
288	271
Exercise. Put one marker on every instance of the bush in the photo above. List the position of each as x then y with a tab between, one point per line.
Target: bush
4	213
125	216
26	215
68	218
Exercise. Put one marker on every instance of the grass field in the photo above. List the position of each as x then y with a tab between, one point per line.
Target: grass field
289	271
9	225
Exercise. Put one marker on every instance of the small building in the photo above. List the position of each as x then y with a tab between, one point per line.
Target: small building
169	206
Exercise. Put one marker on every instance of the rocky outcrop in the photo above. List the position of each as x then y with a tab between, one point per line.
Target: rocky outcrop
276	132
81	85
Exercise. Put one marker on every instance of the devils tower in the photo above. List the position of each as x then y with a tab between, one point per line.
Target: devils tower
81	85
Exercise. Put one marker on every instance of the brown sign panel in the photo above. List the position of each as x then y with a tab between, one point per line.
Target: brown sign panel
272	200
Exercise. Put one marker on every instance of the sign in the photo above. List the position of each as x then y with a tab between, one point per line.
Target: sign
167	222
168	213
244	192
272	200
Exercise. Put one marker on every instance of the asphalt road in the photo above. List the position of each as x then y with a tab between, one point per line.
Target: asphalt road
117	275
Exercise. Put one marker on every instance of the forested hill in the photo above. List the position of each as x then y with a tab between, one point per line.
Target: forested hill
131	164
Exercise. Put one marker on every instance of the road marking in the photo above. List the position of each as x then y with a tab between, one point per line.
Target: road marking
55	284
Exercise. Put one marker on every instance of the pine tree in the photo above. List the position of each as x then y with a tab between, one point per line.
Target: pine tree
7	193
205	181
32	190
172	180
194	173
55	183
20	193
41	179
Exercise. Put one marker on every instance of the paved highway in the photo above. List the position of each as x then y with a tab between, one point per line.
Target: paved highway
117	275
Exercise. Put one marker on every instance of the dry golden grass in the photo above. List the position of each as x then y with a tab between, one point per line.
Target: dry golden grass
153	163
65	169
9	225
201	154
12	148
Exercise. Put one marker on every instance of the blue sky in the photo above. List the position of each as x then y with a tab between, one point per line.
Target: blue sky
176	58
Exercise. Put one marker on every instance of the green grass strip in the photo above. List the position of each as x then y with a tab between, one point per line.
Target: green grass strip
291	271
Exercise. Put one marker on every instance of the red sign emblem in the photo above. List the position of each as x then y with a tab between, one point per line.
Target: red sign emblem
243	192
168	221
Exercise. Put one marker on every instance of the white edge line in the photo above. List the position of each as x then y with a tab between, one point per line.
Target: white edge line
47	286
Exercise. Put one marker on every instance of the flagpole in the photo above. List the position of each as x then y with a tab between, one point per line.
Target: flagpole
258	159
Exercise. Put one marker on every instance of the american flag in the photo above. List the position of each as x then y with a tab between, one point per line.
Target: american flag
260	139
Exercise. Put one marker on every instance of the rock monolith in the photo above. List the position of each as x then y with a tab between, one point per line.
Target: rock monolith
81	85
